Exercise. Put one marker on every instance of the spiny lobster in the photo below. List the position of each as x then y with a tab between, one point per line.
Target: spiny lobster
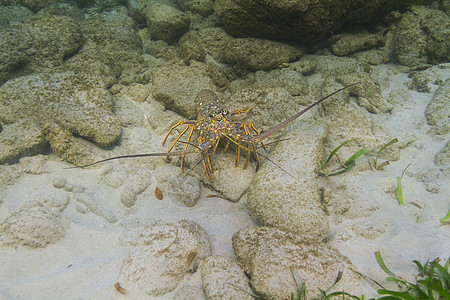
213	124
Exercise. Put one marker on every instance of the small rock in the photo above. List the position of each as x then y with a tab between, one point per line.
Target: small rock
185	189
59	182
419	82
163	254
189	292
33	226
165	22
438	110
443	156
96	208
224	279
350	43
128	197
190	48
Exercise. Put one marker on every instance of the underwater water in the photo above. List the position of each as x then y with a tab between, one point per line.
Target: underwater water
255	208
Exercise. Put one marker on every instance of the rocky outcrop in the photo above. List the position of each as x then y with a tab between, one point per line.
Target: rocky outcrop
74	104
307	21
422	36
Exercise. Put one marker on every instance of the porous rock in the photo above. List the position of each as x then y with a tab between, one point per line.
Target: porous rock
226	172
247	53
21	138
288	79
74	103
308	21
259	54
202	7
162	255
34	5
40	43
185	189
176	86
443	156
111	46
190	48
221	278
212	41
34	226
188	292
289	198
270	256
349	71
67	9
14	15
164	21
270	105
350	43
422	36
438	110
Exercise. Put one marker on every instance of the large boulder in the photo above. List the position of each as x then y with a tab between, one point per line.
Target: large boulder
307	21
56	105
39	43
272	257
246	53
164	20
423	36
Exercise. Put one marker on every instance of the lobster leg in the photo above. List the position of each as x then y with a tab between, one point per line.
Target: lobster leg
189	123
186	146
206	164
242	111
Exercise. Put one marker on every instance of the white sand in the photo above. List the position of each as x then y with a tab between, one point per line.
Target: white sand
85	264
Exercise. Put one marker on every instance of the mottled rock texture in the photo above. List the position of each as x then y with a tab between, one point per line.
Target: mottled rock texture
246	53
13	15
34	5
111	45
34	226
38	44
291	202
57	105
422	36
164	20
270	256
307	21
221	276
162	255
438	110
202	7
176	86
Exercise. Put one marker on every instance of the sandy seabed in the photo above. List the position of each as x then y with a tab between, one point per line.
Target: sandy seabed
83	257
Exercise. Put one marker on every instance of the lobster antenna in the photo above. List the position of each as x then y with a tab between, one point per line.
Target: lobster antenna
280	126
136	155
